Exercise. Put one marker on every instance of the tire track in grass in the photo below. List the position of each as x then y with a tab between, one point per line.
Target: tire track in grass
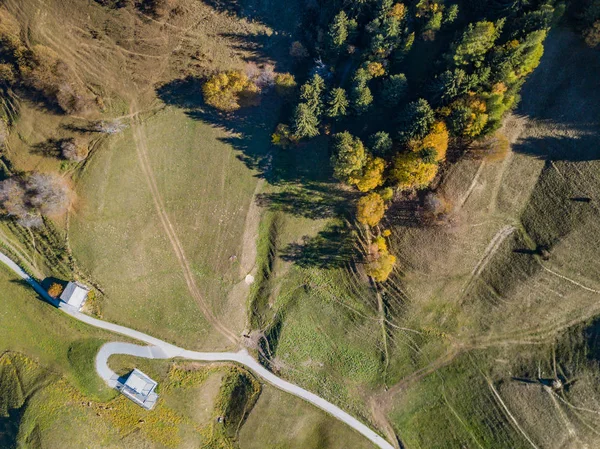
491	249
142	152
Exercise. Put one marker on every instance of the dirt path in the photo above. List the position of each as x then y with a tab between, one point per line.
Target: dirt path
142	152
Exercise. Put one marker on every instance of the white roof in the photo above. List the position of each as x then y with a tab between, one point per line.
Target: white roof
139	382
75	294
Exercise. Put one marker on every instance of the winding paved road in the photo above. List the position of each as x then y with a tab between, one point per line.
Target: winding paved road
159	349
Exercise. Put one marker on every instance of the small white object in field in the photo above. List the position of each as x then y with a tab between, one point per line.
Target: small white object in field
249	279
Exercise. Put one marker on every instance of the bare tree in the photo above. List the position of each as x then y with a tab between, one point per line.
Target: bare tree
109	127
12	198
73	150
48	193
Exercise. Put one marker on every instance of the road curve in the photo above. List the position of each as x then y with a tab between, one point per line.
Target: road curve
159	349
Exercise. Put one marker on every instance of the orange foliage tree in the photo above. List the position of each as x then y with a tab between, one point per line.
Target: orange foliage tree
437	139
55	290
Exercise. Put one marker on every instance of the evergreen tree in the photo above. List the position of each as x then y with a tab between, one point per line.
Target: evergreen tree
416	120
311	93
362	99
394	90
306	123
476	41
338	31
338	103
381	144
349	156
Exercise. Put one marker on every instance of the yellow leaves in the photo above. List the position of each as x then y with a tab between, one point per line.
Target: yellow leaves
224	90
371	175
375	69
370	209
409	171
380	262
436	139
592	35
285	84
499	88
398	11
283	136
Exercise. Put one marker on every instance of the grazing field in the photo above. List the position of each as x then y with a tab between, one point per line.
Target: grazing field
118	238
462	347
484	283
282	421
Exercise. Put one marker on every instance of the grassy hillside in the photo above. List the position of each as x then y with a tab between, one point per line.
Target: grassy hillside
486	308
505	278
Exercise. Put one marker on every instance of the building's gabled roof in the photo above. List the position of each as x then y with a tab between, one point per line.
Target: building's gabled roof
75	294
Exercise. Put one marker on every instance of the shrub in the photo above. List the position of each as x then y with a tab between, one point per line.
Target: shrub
109	127
283	136
370	209
297	50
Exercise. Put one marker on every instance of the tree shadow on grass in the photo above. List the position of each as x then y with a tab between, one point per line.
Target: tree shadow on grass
582	145
250	132
315	201
48	148
331	248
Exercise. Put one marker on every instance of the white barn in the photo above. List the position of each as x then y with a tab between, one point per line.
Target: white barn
140	389
75	295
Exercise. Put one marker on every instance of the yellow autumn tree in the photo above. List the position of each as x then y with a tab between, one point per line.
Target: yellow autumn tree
370	209
410	171
436	139
375	69
371	175
398	11
285	84
225	90
380	262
